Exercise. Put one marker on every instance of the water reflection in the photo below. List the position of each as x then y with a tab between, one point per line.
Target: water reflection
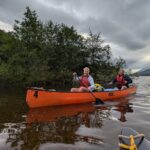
124	107
86	114
62	123
49	114
71	125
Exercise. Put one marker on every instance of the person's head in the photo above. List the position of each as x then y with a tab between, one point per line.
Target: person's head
86	71
121	71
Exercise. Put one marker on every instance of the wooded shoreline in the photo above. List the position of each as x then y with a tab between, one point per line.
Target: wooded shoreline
49	53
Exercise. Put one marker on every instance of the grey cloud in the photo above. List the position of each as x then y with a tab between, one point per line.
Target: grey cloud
12	10
114	33
129	41
142	31
122	22
54	15
132	62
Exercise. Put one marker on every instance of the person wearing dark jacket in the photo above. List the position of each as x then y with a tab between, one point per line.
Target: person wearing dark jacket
122	80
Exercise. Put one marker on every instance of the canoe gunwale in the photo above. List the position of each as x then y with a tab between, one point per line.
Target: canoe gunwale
52	90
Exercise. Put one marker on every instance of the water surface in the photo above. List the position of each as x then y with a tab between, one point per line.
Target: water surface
72	127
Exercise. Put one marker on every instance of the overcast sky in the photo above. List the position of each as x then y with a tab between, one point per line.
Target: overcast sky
124	24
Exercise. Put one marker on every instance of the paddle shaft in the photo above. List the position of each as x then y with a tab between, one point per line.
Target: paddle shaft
91	92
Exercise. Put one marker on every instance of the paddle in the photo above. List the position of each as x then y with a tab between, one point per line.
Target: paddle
97	100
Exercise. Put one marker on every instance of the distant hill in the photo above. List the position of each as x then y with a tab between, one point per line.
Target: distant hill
144	72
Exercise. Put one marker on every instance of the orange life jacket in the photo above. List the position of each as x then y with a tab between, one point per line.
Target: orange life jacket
84	81
120	80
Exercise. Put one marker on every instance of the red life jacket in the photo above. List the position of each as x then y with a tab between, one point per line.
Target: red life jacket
120	80
84	81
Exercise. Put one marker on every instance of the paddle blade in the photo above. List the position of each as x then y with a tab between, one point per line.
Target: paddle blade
98	101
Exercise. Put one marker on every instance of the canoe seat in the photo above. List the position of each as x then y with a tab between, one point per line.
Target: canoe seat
130	142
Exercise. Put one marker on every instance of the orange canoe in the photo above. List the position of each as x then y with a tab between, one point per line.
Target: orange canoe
41	97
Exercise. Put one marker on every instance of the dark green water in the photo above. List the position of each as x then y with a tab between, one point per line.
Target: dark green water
71	127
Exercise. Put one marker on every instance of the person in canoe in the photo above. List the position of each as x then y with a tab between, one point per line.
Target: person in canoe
122	80
86	81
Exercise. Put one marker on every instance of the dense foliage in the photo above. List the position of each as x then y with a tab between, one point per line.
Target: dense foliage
36	52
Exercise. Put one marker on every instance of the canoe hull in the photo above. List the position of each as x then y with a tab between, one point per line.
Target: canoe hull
41	98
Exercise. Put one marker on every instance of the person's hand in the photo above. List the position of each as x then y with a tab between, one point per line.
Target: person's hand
126	82
89	88
110	83
74	74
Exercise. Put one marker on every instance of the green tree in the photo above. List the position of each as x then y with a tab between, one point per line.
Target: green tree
99	54
50	52
28	57
6	46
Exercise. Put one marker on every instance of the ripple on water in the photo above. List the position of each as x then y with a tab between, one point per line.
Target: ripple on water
77	126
